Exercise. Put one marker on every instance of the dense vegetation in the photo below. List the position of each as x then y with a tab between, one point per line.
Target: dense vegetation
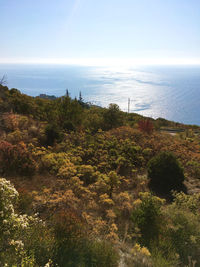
90	186
165	174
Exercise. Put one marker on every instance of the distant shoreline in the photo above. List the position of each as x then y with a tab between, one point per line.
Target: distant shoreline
170	92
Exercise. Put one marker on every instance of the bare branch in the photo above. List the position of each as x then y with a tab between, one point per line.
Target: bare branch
3	80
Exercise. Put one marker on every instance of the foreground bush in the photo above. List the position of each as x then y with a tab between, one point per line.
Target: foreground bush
24	240
183	228
74	248
147	217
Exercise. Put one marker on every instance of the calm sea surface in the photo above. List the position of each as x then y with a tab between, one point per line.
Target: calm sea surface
169	92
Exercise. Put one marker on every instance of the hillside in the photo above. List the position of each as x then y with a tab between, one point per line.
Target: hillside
108	188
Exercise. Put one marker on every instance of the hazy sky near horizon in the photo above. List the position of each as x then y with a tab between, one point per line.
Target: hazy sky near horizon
80	29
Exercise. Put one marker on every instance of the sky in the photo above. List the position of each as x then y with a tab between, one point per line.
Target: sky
89	31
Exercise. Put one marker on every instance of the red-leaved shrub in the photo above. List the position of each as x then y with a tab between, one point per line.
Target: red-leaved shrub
145	126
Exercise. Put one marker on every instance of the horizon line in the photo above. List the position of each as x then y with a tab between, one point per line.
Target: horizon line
103	61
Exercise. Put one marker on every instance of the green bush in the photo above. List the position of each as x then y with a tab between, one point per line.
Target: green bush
100	253
147	217
113	117
165	174
52	134
183	228
194	168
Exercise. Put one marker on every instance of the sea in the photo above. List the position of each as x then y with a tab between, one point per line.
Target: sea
170	92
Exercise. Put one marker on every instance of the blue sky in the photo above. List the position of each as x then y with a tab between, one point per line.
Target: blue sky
60	31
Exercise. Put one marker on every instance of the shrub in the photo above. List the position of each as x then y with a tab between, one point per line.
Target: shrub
184	233
147	217
183	228
100	253
54	161
93	120
113	117
165	174
10	121
67	170
52	134
16	159
145	126
25	200
23	238
140	256
15	137
194	168
75	249
87	174
68	125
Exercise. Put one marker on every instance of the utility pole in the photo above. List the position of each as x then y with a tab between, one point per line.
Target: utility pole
128	105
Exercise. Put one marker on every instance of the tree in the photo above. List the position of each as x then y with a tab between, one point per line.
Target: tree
113	117
3	90
165	173
80	97
67	93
